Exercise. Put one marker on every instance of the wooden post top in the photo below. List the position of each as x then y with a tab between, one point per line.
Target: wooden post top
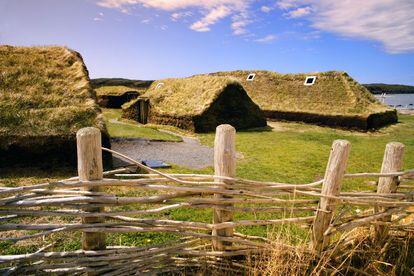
225	151
89	150
225	127
87	131
341	143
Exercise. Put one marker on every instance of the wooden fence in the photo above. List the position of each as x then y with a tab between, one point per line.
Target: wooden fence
91	197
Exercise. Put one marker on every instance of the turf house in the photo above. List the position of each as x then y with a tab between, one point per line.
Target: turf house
198	103
329	98
45	97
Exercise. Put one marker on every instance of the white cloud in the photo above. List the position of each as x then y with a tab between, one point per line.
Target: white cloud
390	22
99	17
266	9
212	11
212	17
299	12
240	22
145	21
266	39
178	15
286	4
171	5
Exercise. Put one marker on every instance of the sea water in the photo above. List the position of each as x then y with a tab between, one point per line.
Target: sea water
399	101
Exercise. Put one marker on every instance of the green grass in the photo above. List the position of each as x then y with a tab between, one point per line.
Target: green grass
118	127
298	153
291	152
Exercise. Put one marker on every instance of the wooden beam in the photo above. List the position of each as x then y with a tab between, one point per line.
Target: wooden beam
90	168
392	162
331	186
224	165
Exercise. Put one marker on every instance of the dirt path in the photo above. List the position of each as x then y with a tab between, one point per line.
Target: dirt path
189	153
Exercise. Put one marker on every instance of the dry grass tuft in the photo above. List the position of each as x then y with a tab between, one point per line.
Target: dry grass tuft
354	253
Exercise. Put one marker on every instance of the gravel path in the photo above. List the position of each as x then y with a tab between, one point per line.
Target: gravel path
189	153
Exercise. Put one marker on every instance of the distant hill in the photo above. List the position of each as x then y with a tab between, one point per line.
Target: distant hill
139	84
379	88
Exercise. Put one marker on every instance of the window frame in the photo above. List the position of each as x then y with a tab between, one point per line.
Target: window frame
309	77
251	79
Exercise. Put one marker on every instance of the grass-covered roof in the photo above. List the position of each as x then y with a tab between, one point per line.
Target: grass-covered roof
116	90
44	91
187	96
137	84
334	93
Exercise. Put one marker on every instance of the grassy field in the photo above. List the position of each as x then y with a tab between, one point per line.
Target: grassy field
295	152
288	152
118	127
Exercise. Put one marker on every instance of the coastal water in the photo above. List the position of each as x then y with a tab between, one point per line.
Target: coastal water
399	101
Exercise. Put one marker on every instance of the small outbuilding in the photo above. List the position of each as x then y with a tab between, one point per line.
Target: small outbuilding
114	92
198	103
115	96
329	98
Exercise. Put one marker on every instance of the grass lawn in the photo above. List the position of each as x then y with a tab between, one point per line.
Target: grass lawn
298	153
118	127
290	152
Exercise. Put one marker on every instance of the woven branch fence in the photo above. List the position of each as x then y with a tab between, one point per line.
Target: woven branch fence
88	196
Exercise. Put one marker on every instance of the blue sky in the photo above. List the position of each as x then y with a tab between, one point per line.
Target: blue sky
373	40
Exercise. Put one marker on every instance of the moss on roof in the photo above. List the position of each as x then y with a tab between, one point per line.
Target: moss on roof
187	96
45	91
334	93
116	90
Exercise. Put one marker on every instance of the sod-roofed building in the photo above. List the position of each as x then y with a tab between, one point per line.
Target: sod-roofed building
45	97
329	98
114	92
115	96
199	103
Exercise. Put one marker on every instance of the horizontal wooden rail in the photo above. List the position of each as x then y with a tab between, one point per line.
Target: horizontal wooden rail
98	205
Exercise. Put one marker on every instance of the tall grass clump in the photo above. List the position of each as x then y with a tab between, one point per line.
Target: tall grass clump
353	253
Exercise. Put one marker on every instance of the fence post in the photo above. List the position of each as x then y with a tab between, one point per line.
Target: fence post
392	162
224	165
90	168
331	186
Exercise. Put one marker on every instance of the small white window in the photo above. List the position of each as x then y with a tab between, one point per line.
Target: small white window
250	77
159	85
310	80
